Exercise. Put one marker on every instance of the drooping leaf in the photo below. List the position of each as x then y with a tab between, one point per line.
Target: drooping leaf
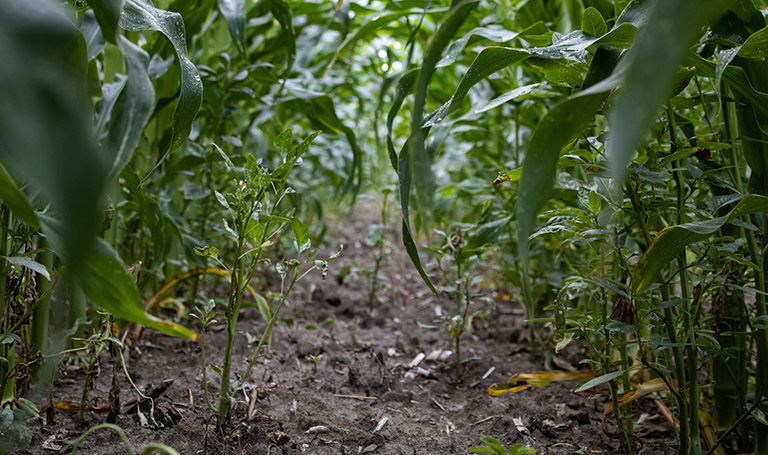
493	59
45	121
132	109
234	13
403	88
281	10
25	261
15	200
671	241
413	159
105	281
522	381
108	15
653	62
139	15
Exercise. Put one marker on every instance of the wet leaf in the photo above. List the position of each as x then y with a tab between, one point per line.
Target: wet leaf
140	15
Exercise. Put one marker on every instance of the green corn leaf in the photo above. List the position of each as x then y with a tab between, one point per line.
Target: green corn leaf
132	109
566	121
756	46
671	242
509	96
281	10
45	121
322	111
493	59
403	88
234	13
372	27
15	200
108	15
142	15
107	284
497	35
413	159
653	62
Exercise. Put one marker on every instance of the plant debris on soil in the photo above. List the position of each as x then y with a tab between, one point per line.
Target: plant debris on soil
383	382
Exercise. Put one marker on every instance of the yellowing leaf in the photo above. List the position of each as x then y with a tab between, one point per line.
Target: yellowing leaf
537	379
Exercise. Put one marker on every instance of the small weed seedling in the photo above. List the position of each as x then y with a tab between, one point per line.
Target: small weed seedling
492	445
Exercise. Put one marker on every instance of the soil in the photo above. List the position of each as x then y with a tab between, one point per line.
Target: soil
367	394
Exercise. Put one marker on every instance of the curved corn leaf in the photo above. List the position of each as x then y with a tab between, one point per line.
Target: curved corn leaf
493	59
321	110
234	12
522	381
281	10
561	125
15	200
510	95
671	242
413	158
495	34
403	88
106	283
756	46
374	25
132	110
653	63
108	15
141	15
45	120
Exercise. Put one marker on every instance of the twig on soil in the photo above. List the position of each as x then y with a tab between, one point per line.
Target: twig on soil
484	420
356	397
438	404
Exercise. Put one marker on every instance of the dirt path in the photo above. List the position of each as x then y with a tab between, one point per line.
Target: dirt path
367	395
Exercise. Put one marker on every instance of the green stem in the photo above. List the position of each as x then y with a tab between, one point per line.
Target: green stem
233	310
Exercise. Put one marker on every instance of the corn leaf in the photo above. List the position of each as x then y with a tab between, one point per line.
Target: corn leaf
140	15
671	241
45	122
107	13
234	13
15	200
281	10
537	379
372	26
653	62
132	109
